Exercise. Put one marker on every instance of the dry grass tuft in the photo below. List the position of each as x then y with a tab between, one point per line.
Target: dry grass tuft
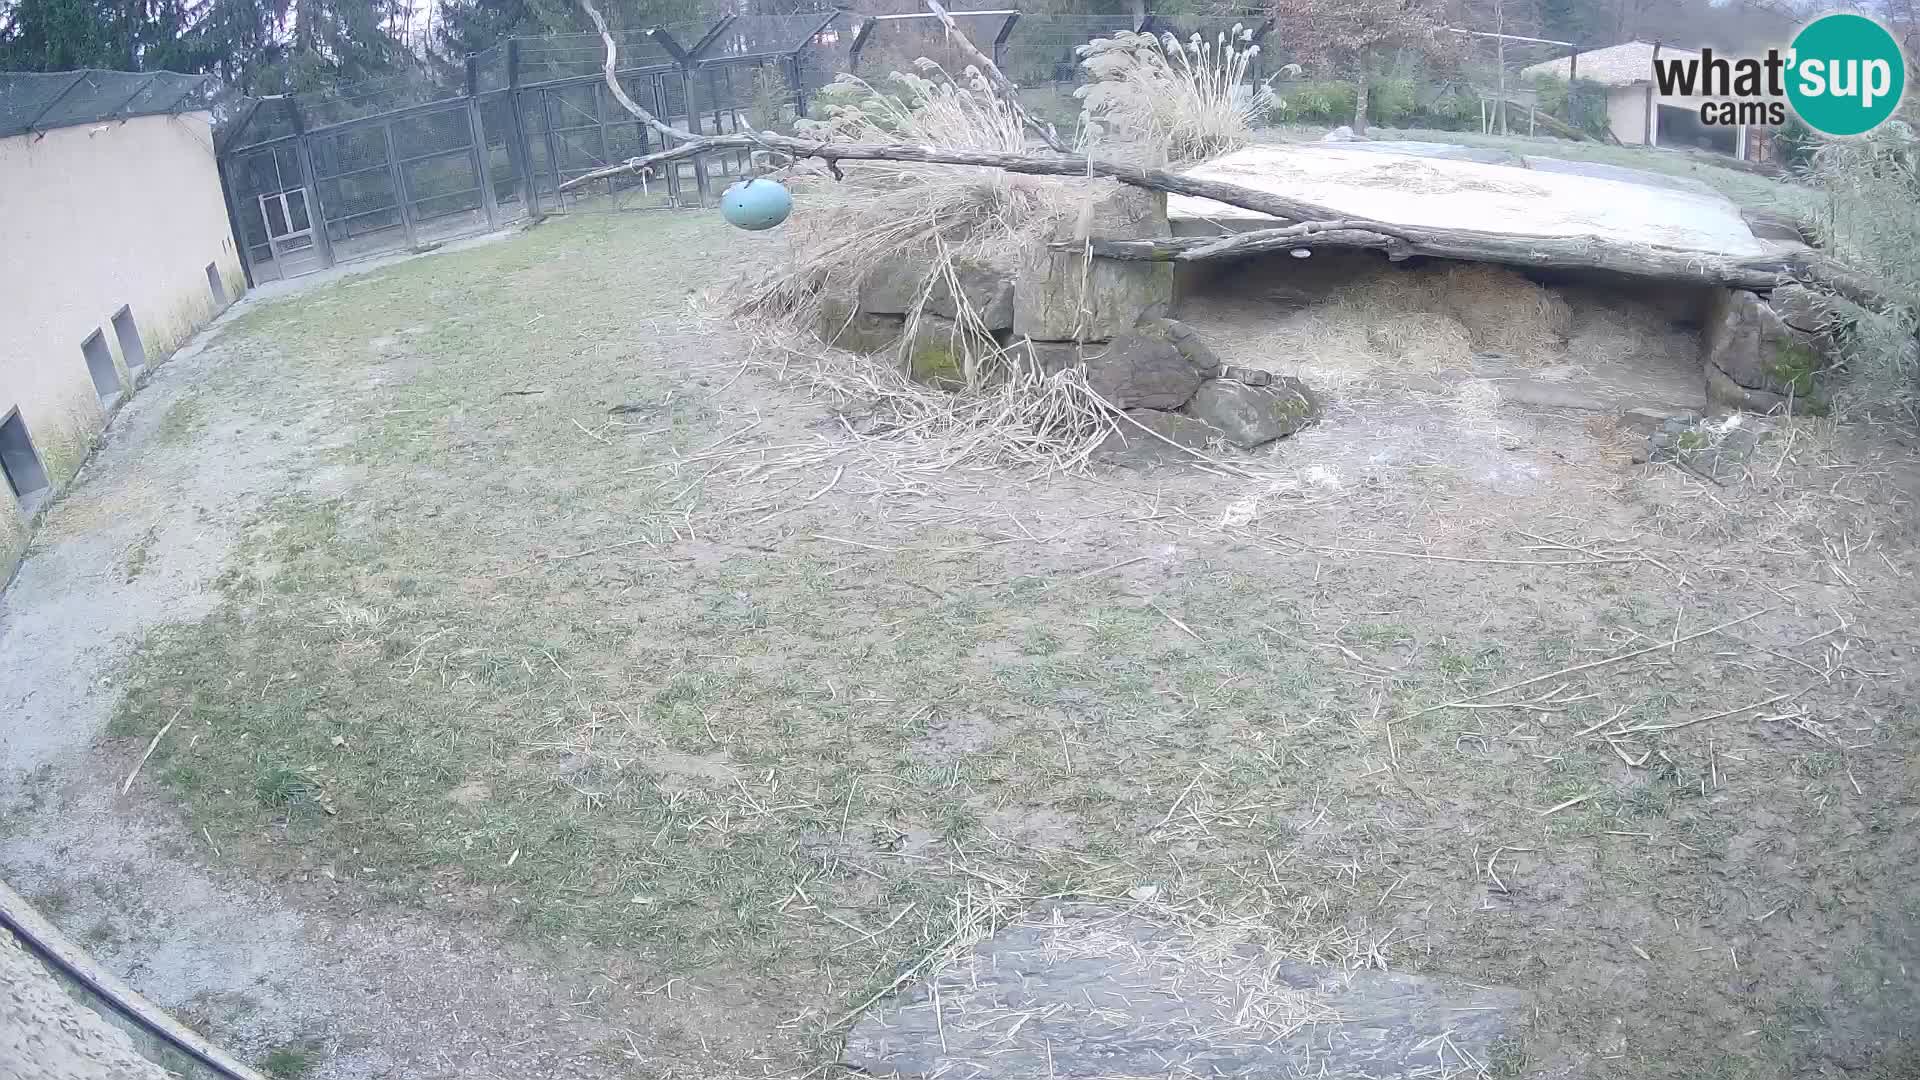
883	210
1020	419
1159	102
885	215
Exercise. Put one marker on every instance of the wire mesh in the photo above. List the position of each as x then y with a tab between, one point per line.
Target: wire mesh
556	57
765	35
490	69
1040	49
355	101
273	119
825	55
898	44
32	101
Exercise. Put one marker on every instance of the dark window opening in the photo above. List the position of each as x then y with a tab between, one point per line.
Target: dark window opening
128	335
25	475
106	378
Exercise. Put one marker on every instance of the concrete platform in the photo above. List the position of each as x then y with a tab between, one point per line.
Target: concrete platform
1411	189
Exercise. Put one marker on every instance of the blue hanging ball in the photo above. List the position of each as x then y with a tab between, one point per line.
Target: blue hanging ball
756	204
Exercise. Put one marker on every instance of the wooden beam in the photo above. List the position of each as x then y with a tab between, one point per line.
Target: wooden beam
1652	262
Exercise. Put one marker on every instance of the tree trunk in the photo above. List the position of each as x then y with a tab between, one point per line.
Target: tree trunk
1360	98
1500	57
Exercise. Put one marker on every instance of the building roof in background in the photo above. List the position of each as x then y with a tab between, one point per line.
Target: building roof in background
1616	65
35	101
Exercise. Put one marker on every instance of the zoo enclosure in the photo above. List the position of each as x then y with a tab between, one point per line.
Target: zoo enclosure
327	177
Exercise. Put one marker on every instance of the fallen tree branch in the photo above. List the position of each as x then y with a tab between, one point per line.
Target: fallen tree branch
1559	127
1321	227
1651	261
1314	226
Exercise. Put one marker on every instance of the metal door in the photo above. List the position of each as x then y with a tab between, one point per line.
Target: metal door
290	231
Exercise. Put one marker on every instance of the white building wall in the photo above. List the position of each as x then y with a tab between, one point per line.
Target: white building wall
94	218
1627	113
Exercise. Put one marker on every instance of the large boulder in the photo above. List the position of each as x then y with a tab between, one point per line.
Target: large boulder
1748	345
1137	372
891	287
1252	415
1059	296
1726	393
843	325
987	289
1803	309
1149	437
1186	340
936	354
1048	357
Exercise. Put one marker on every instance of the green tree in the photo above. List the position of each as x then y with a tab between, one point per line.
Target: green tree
255	46
1349	37
60	35
464	27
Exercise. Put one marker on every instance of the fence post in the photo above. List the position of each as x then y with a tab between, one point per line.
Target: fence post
399	178
687	82
1573	77
1653	110
799	91
600	120
1000	40
553	148
860	37
482	170
517	135
316	212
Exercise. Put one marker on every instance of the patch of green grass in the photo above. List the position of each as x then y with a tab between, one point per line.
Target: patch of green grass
181	422
291	1062
564	679
280	786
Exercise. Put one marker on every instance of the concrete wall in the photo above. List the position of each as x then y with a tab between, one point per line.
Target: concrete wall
1627	113
94	218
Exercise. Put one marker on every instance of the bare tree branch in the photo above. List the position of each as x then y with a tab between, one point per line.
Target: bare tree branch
1001	84
619	92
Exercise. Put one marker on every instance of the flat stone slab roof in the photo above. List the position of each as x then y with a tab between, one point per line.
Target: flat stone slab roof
1444	192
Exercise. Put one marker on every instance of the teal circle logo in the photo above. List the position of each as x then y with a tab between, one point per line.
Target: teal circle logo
1845	74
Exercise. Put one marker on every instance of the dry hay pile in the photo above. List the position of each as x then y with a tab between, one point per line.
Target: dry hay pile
1357	312
941	217
870	215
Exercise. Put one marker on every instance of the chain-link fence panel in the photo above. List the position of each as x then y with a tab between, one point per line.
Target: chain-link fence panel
31	101
439	173
258	182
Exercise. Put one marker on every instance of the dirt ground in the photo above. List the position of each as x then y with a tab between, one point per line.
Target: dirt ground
543	690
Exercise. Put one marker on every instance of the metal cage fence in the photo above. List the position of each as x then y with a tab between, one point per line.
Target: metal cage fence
343	172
